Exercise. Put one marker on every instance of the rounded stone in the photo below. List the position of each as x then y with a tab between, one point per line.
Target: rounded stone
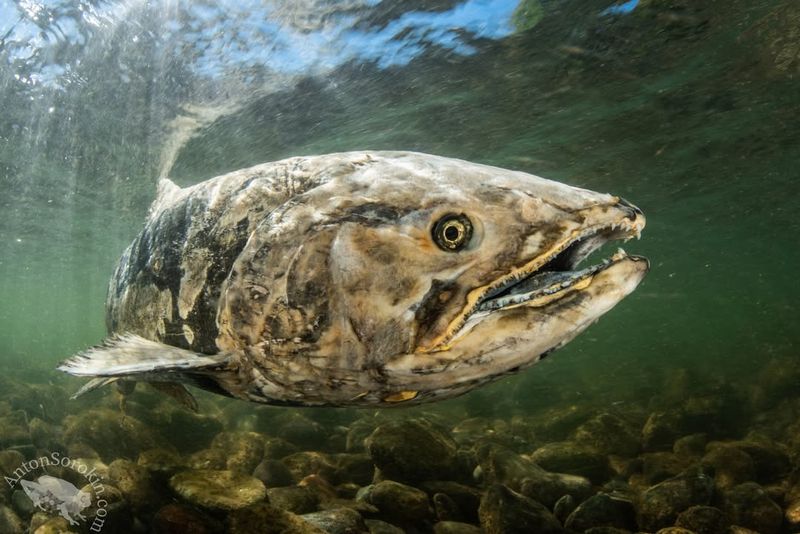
376	526
608	434
399	503
412	451
455	527
748	505
660	505
161	461
179	519
273	473
10	523
504	511
135	483
243	450
602	510
264	518
336	521
568	457
703	520
111	435
220	490
295	499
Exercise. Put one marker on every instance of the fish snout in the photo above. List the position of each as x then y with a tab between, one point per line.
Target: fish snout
632	212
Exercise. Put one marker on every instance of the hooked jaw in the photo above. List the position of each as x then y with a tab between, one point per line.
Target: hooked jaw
555	273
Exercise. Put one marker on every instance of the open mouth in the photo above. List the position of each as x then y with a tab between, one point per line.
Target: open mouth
557	273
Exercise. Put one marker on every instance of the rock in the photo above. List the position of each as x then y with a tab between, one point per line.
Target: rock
720	414
296	499
376	526
357	433
747	505
277	448
55	525
606	530
659	466
602	510
608	434
189	431
563	507
303	464
691	445
41	433
555	424
108	511
730	465
263	518
321	488
445	508
336	521
298	429
351	467
771	462
160	461
503	466
207	459
792	515
273	473
135	483
413	451
180	519
399	503
660	505
10	460
110	433
218	490
466	498
674	530
454	527
243	450
568	457
15	430
10	523
504	511
661	430
22	504
703	520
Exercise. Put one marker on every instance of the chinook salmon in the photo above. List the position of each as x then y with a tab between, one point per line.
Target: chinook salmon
363	278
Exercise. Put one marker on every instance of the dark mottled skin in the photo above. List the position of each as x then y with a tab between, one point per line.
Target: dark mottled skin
319	279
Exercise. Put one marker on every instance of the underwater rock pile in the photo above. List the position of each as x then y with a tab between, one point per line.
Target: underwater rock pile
723	461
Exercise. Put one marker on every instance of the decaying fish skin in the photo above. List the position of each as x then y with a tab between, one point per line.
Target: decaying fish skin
363	278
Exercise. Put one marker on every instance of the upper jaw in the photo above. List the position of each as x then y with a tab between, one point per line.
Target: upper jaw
551	274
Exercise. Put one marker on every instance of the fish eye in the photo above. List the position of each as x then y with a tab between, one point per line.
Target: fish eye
452	232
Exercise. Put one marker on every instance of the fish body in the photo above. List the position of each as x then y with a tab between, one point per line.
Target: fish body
360	278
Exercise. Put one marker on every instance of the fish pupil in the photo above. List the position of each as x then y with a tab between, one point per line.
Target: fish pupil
452	233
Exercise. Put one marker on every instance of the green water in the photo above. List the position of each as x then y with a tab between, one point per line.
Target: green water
688	108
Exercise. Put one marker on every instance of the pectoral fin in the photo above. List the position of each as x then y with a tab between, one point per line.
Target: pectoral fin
163	366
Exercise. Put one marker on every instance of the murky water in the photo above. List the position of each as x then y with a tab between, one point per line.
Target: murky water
690	109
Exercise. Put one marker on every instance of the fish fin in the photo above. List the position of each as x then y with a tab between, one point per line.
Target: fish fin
93	384
177	392
139	358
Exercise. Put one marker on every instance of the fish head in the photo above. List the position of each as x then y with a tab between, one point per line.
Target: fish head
430	275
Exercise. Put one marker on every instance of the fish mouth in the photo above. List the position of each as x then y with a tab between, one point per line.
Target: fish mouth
557	273
550	276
